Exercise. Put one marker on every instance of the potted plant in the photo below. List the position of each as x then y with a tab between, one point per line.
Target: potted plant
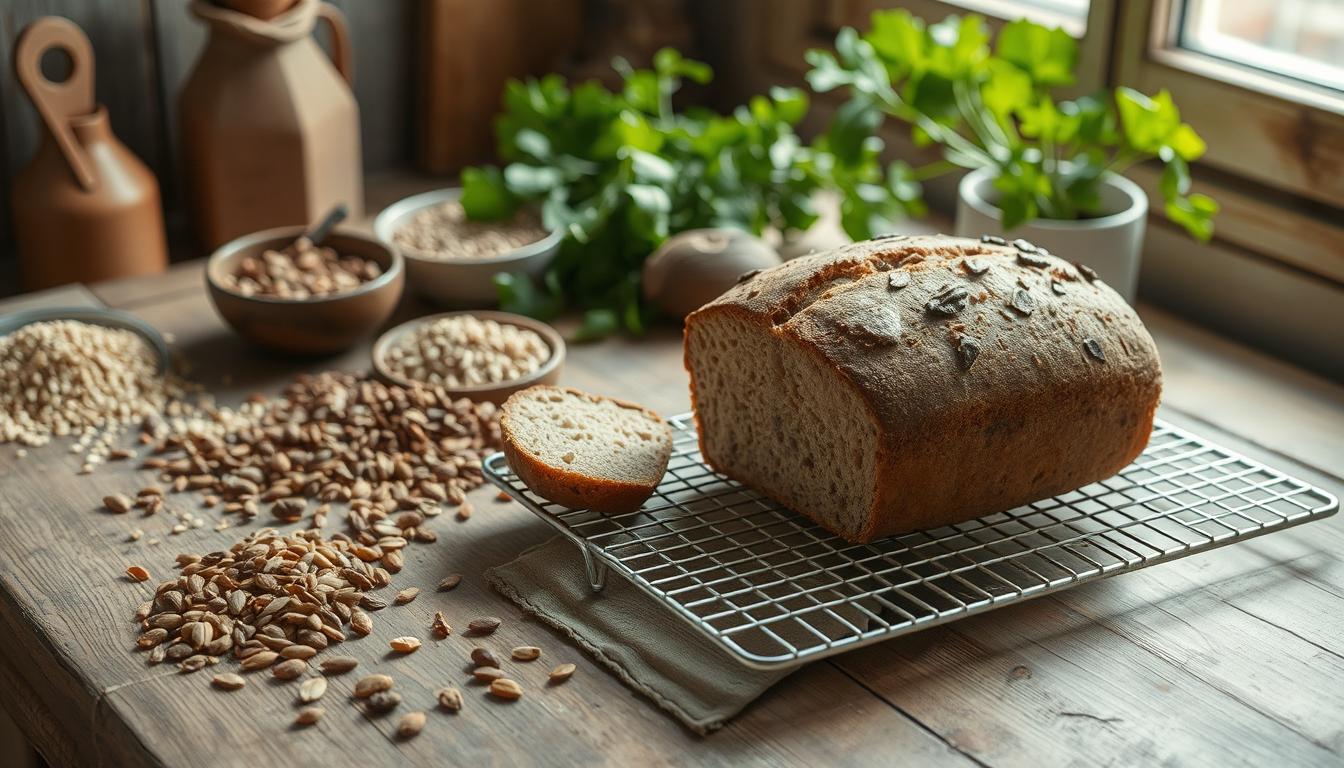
1043	169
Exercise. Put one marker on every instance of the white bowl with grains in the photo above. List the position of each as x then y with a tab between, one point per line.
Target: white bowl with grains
481	355
452	260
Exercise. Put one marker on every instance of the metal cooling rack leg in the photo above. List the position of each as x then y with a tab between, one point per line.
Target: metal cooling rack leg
597	570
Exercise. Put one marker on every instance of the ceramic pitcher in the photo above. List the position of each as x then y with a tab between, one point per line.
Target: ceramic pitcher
85	208
270	128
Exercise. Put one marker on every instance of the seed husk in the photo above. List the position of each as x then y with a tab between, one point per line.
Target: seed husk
259	660
485	625
151	638
384	701
228	681
407	595
289	669
562	673
297	651
450	582
506	689
450	699
137	573
482	657
439	627
312	689
410	725
309	715
526	653
360	622
371	684
487	674
405	644
338	665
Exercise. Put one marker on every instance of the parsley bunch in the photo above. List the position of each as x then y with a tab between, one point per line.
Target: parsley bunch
618	172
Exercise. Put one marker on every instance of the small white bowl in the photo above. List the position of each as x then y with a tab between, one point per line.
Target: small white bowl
464	283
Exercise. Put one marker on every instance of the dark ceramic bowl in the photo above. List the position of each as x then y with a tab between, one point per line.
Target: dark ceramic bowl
314	326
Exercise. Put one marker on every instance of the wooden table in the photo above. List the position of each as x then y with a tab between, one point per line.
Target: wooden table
1230	657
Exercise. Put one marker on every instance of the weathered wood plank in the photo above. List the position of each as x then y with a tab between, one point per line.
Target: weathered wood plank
1040	684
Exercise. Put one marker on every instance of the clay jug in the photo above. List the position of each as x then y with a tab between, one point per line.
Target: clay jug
270	128
85	208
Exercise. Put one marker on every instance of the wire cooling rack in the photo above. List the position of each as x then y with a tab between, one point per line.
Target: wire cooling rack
774	589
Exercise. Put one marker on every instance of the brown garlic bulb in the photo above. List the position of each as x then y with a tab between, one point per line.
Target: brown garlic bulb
696	266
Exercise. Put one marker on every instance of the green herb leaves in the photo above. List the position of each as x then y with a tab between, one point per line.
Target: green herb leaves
618	172
996	110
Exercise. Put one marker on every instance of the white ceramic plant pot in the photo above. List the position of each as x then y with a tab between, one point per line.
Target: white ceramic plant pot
1112	244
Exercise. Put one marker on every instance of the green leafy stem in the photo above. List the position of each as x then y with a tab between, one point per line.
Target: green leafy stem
994	109
618	171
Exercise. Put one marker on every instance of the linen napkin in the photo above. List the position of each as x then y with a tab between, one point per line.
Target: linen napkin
646	645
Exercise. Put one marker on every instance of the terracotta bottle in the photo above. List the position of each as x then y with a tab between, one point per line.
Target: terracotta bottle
85	208
270	128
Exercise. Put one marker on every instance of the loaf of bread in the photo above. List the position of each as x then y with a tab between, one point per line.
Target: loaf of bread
904	383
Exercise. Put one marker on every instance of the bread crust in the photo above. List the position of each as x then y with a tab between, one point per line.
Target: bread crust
568	487
1062	391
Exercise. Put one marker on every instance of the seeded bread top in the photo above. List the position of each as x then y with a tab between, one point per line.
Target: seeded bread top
927	326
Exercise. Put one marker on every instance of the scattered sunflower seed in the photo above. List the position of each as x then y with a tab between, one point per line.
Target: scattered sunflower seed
410	725
367	686
228	681
407	595
137	573
384	701
487	674
309	715
289	669
482	657
526	653
119	503
450	582
338	665
485	625
312	689
405	644
562	673
450	699
439	627
506	689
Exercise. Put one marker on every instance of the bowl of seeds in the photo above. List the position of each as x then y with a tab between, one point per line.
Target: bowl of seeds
480	355
285	293
451	259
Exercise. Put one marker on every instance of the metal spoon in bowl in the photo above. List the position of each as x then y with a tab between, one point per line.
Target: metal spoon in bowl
317	233
108	318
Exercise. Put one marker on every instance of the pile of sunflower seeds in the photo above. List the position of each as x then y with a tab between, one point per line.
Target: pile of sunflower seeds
333	437
65	377
274	600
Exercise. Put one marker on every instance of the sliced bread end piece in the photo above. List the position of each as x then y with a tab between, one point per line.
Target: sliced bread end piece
583	450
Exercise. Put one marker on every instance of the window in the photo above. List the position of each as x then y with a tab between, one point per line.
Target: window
1298	39
1259	79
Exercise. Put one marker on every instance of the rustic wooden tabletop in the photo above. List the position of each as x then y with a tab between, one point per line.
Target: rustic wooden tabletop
1231	657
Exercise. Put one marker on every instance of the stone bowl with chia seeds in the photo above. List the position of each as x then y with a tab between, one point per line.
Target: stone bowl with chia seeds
452	260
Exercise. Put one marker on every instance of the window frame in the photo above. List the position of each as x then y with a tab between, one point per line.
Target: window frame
1280	133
